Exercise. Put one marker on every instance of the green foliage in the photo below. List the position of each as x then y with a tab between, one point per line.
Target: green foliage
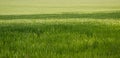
112	15
71	39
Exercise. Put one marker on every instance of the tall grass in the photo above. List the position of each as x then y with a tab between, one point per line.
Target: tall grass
74	38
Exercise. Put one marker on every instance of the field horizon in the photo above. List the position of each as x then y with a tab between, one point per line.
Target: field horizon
16	7
59	29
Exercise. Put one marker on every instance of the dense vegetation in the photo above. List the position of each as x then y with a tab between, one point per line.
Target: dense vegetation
111	15
80	36
59	29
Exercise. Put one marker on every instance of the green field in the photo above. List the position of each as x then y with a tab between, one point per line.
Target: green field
59	29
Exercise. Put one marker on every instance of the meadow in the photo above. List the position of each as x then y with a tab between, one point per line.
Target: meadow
62	31
60	36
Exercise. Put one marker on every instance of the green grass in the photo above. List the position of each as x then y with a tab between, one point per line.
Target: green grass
59	29
60	38
111	15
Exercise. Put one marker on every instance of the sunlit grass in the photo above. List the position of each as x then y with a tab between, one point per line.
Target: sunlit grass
60	38
59	29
